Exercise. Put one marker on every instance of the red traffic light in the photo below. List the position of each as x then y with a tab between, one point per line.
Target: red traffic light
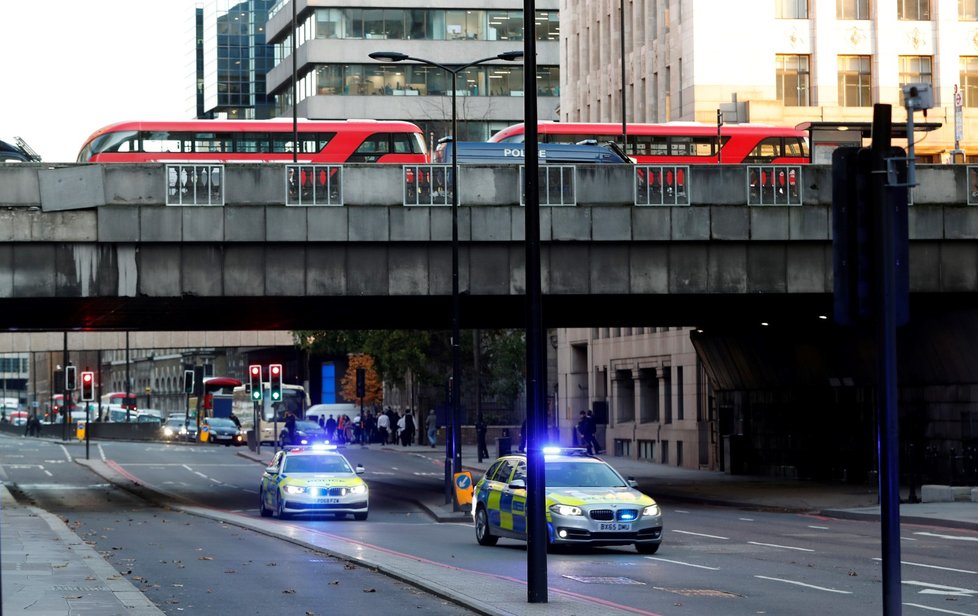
87	377
275	369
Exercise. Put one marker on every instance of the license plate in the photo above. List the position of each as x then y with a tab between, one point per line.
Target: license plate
614	526
327	501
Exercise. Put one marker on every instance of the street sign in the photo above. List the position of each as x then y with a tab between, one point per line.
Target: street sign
958	116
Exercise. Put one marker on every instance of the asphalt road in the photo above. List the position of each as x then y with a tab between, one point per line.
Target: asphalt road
713	560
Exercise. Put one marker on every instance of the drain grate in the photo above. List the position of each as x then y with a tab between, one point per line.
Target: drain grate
700	592
600	579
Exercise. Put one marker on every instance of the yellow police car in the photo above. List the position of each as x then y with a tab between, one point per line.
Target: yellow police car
587	503
312	480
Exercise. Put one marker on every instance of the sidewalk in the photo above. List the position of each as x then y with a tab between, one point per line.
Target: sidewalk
49	571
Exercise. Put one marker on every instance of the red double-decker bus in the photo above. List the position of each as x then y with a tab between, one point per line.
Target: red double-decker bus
226	141
681	143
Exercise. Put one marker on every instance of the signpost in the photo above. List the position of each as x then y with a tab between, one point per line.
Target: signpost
958	125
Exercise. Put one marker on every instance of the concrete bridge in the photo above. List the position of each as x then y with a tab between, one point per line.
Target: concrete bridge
97	247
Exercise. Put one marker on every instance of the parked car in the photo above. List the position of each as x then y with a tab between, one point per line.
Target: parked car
306	433
223	431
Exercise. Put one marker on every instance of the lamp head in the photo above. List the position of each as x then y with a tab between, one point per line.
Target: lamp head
389	56
511	55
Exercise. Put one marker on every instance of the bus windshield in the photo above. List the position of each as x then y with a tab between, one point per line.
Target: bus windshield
293	401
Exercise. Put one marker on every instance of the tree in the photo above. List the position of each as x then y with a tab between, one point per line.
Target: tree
374	387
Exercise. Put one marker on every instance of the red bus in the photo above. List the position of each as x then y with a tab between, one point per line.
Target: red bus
226	141
686	143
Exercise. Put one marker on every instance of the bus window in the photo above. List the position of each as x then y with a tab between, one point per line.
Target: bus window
766	151
404	144
372	148
251	142
161	142
795	146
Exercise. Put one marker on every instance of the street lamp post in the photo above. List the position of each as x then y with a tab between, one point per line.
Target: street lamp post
453	453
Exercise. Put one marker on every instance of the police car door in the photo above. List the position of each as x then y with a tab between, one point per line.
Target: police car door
516	492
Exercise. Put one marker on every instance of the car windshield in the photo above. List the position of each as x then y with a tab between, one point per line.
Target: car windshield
306	425
220	422
564	474
316	464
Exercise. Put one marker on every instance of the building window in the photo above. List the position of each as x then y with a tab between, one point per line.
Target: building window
852	9
969	80
791	9
855	79
913	10
793	80
967	10
915	69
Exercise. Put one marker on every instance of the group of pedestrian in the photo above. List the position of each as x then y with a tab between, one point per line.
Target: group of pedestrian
33	425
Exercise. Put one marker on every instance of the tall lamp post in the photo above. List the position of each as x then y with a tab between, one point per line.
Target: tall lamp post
453	453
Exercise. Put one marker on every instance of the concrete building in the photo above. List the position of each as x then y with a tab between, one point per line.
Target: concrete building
782	62
337	80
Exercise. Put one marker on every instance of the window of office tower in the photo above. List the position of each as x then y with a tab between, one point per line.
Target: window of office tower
428	24
791	9
969	80
967	10
913	10
793	80
855	81
852	9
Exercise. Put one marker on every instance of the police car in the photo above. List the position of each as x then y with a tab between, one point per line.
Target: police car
312	480
587	503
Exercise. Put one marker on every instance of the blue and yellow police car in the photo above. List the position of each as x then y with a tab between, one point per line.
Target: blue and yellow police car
312	480
587	503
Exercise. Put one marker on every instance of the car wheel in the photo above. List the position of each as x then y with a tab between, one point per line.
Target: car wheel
646	548
280	508
262	509
482	533
360	516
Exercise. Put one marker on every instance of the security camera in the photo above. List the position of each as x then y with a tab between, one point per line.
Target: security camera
918	96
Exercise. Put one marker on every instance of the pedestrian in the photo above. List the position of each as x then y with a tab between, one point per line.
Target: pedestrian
383	427
480	436
407	434
234	418
392	420
432	424
523	437
593	427
329	425
586	427
290	426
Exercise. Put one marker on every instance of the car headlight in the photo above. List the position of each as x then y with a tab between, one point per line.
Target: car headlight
360	489
167	431
566	510
651	510
296	489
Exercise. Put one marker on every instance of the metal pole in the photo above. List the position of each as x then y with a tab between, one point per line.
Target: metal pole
66	399
295	92
456	306
889	479
624	126
127	378
536	545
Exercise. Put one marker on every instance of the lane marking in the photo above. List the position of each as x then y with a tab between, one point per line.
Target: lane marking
67	455
746	519
784	547
948	537
48	473
101	452
818	527
679	562
913	564
812	586
679	511
686	532
942	589
937	609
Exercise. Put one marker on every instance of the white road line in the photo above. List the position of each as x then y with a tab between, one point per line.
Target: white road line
686	532
937	609
746	519
214	480
48	473
679	511
200	474
250	491
949	537
912	564
784	547
679	562
941	588
67	455
187	467
101	452
818	527
774	579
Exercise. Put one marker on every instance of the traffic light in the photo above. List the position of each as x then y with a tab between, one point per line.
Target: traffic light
275	382
361	382
70	383
87	386
188	381
254	379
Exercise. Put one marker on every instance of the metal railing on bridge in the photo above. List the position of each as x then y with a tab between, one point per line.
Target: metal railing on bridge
428	185
557	185
774	185
314	185
661	185
195	185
